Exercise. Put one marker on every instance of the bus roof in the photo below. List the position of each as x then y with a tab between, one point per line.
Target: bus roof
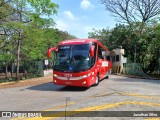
81	41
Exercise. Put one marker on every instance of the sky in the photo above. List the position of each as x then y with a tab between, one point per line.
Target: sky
78	17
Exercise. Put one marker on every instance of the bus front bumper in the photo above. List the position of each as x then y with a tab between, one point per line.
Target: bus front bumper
84	82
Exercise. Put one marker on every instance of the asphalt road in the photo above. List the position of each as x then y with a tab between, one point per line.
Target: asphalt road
113	97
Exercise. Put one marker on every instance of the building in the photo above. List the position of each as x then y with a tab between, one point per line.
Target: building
118	60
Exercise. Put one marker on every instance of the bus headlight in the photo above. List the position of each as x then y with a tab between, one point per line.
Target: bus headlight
85	76
55	75
84	82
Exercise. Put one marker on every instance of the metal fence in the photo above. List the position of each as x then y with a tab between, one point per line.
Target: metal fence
27	69
136	69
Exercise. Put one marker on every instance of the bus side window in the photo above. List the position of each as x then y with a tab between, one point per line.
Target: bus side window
94	58
108	58
99	53
104	54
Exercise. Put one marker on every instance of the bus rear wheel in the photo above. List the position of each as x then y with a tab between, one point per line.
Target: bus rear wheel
97	81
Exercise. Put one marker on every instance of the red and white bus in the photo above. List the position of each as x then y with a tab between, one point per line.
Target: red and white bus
80	62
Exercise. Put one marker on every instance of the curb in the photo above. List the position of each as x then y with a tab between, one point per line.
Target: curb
26	80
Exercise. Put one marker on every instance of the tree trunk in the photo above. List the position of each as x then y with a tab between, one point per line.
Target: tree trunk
18	56
6	71
19	42
11	70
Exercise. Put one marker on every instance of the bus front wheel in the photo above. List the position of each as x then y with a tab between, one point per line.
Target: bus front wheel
97	81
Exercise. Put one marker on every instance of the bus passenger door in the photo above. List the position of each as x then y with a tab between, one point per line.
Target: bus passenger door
100	68
100	63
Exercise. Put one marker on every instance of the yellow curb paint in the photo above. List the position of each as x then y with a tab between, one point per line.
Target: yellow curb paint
152	119
138	95
19	118
7	83
144	103
21	81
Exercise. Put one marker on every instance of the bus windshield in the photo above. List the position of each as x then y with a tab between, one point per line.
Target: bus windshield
72	58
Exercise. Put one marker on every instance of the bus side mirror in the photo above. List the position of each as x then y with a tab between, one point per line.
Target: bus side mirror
91	52
50	51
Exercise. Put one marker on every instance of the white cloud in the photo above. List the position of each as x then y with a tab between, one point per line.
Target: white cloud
73	27
60	24
69	15
86	4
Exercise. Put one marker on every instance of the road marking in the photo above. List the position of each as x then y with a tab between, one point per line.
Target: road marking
135	95
144	103
74	102
93	108
77	111
70	103
61	106
102	95
139	95
152	119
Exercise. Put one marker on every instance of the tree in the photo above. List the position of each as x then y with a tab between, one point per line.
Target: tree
6	12
152	59
23	16
27	31
14	24
132	11
103	36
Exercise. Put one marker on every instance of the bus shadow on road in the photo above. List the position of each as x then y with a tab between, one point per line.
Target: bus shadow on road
72	88
51	87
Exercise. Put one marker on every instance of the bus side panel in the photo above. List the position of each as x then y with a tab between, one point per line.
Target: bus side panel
103	68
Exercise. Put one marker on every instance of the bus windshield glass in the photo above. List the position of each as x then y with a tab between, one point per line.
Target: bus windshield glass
72	58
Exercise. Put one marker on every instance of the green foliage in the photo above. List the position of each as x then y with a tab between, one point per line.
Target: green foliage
141	42
44	7
25	30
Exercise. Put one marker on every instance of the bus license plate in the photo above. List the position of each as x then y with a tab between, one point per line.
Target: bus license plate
68	83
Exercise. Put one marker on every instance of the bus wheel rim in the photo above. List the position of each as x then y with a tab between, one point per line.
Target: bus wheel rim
96	79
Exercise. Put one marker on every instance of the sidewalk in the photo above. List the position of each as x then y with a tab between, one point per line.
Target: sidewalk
28	82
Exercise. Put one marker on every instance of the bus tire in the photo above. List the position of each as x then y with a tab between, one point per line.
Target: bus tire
97	81
107	77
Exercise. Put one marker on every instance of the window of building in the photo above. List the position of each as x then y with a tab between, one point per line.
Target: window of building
117	57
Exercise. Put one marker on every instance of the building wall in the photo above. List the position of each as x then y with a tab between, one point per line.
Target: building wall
118	64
